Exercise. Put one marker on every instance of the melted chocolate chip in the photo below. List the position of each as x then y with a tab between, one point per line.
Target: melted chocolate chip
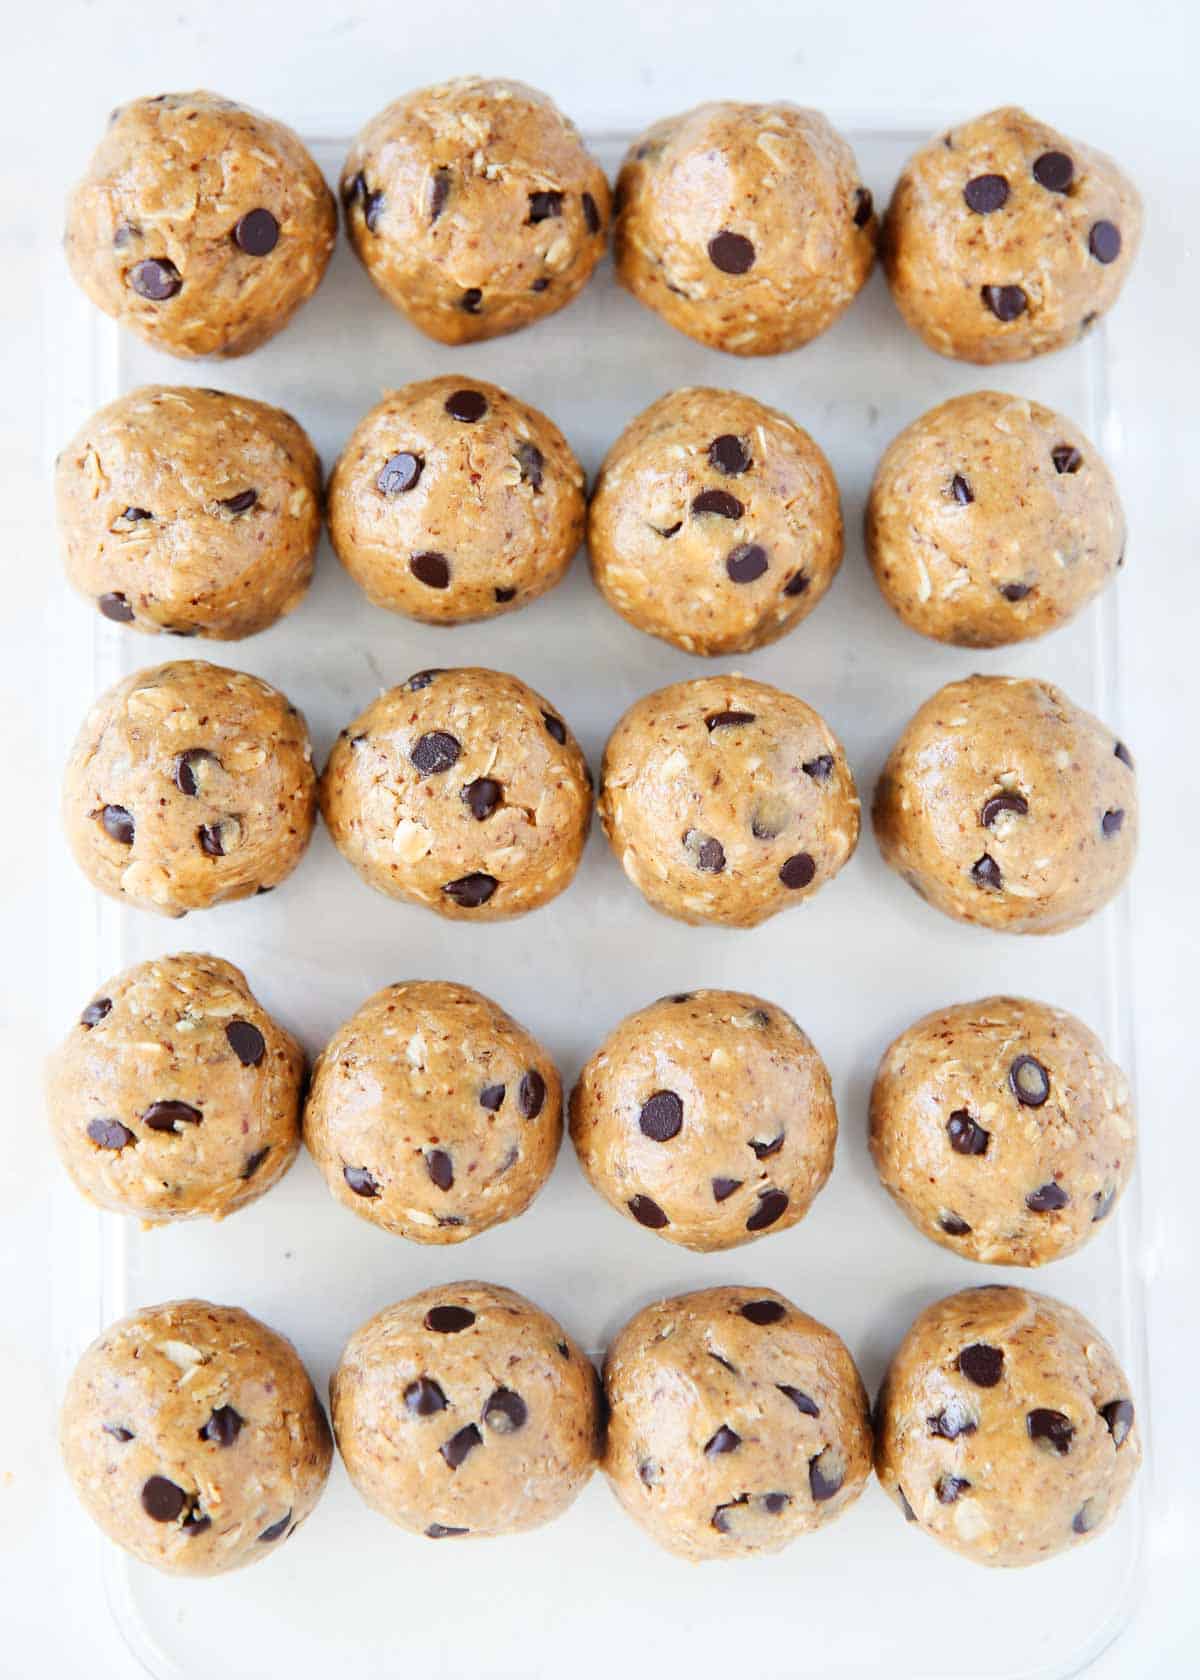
772	1205
114	606
763	1312
435	753
109	1134
1118	1415
985	872
1054	1429
443	1531
725	1440
362	1182
719	502
820	768
462	1442
440	1168
797	871
723	1188
986	193
591	215
118	824
1005	302
952	1421
967	1136
949	1488
647	1212
470	891
1066	458
1014	802
467	406
157	279
491	1097
423	1397
982	1364
505	1412
1049	1198
953	1225
223	1427
439	192
253	1162
399	473
661	1117
471	302
1110	823
531	462
746	562
431	569
801	1401
481	797
277	1530
732	253
531	1094
729	455
1054	171
825	1475
242	502
246	1042
256	233
95	1012
1029	1081
864	206
449	1320
169	1114
1104	242
162	1501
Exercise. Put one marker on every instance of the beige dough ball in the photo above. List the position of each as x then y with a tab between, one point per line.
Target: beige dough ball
1005	805
466	1410
745	226
474	207
1003	1130
726	800
453	501
1005	1427
715	522
189	785
736	1423
707	1117
193	1437
992	520
190	511
461	790
1004	239
175	1094
200	225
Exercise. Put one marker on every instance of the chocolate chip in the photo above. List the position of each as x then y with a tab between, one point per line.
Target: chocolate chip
725	1440
763	1312
1118	1415
440	1168
727	720
772	1205
820	769
505	594
157	278
953	1225
95	1012
669	530
661	1116
471	301
949	1488
1015	591
797	871
1054	171
443	1531
728	454
373	206
961	490
982	1364
169	1114
1005	302
723	1188
449	1320
362	1182
801	1401
118	824
256	233
399	473
746	562
481	797
109	1134
505	1412
722	1361
1029	1081
1104	1200
1086	1518
434	753
544	205
647	1212
277	1530
796	584
1104	242
246	1042
223	1427
470	891
1122	752
864	206
212	839
241	503
1014	802
772	1146
986	193
431	569
462	1442
353	189
985	872
135	515
415	683
186	766
1054	1428
825	1475
909	1514
1066	458
540	284
531	1094
591	214
424	1397
648	1473
194	1523
732	253
162	1501
555	727
113	605
718	501
117	1431
1110	823
253	1162
1050	1198
967	1136
467	405
125	234
952	1421
531	462
491	1097
439	192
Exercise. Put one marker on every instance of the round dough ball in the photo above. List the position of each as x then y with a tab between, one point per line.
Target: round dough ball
992	520
175	1094
474	207
200	225
453	501
707	1117
715	522
190	511
1003	1130
188	785
1004	239
1005	1428
194	1437
1005	805
466	1410
736	1423
461	790
727	800
745	226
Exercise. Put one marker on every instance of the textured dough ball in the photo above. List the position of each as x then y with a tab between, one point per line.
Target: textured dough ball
708	1117
992	520
726	800
194	1438
461	790
715	522
1004	239
745	226
188	785
454	501
175	1094
200	225
1005	805
1005	1428
474	207
736	1423
466	1410
1003	1130
190	511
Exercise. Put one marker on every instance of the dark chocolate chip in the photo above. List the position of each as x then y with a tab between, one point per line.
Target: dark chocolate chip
1015	591
1066	458
531	462
1054	170
434	753
772	1146
443	1531
949	1488
431	569
373	205
648	1473
462	1442
399	473
505	1412
1118	1415
967	1136
253	1162
354	189
540	284
1005	302
1085	1518
424	1397
246	1042
467	406
415	683
531	1094
135	515
125	234
256	233
647	1212
1054	1428
985	872
591	214
481	797
470	891
763	1312
118	824
732	253
1014	802
362	1182
961	490
169	1114
986	193
796	584
440	1168
864	206
1104	1200
953	1225
555	727
114	605
825	1480
1110	823
449	1320
746	562
909	1514
723	1188
820	768
162	1501
1104	242
719	502
952	1421
471	302
95	1012
725	1440
223	1427
669	530
109	1134
1029	1081
242	502
721	1360
277	1530
728	454
661	1117
801	1401
982	1364
491	1097
1122	752
544	205
117	1431
1049	1198
797	871
186	765
157	278
212	842
503	595
194	1523
439	192
727	720
772	1205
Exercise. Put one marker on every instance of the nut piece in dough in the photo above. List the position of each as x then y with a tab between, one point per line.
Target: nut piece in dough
453	501
200	225
175	1094
194	1438
715	522
1004	239
1005	1427
1003	1130
188	785
474	207
466	1411
707	1117
1005	805
190	511
461	790
736	1423
726	800
992	520
745	226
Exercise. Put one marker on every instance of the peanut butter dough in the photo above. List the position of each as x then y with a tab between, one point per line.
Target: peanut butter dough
1005	1427
200	225
1005	805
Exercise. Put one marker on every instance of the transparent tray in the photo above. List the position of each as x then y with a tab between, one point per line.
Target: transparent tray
855	966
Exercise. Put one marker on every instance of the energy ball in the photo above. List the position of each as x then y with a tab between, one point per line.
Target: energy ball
708	1118
461	790
194	1438
474	207
726	800
453	501
736	1423
200	225
175	1095
1004	239
715	522
992	520
189	785
466	1411
189	511
1003	1130
745	226
1005	805
1005	1427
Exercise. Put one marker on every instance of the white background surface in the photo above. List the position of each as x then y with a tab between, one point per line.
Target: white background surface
1120	77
